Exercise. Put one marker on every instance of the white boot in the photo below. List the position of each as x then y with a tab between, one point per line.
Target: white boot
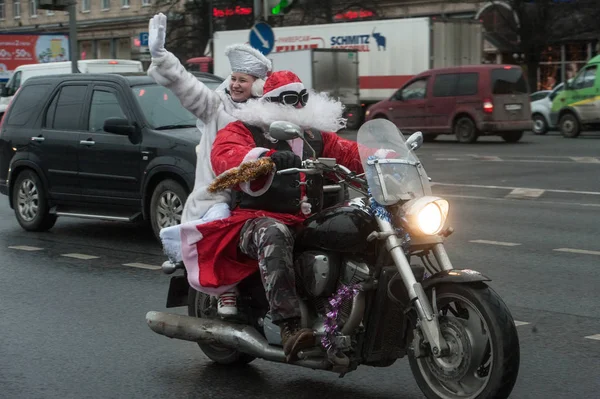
227	304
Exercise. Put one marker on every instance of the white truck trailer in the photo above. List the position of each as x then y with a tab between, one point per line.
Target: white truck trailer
390	51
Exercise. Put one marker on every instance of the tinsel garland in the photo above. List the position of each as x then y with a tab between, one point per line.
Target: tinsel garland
330	324
247	171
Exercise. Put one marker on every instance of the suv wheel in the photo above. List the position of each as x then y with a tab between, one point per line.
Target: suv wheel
465	130
512	137
31	204
569	126
540	126
166	206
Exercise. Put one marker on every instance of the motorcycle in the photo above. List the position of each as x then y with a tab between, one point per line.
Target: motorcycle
367	303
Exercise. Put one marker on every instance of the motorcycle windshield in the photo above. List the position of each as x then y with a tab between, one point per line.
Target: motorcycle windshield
393	172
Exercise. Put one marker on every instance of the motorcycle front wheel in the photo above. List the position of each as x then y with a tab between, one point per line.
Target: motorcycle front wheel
484	354
201	305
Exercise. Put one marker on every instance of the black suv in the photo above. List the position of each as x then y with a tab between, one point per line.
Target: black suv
104	146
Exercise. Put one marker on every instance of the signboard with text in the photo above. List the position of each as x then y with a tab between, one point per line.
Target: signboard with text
17	49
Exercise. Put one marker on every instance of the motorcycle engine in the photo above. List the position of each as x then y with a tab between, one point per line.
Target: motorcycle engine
321	274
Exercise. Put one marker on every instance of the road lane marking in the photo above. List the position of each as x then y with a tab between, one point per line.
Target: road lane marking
594	337
447	159
80	256
25	248
504	244
577	251
525	193
487	158
585	159
514	188
521	323
142	266
478	197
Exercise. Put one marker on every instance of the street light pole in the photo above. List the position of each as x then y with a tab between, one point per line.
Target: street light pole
74	48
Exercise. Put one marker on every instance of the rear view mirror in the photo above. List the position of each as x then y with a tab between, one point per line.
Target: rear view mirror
415	141
281	130
119	126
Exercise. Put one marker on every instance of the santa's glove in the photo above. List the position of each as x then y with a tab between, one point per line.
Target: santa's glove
156	35
285	160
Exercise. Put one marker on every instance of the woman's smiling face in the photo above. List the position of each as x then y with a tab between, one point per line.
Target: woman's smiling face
240	86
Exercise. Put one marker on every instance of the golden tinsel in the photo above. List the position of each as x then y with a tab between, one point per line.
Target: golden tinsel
247	171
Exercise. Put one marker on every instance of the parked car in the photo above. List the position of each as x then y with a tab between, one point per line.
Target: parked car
466	101
538	95
102	146
24	72
540	111
577	107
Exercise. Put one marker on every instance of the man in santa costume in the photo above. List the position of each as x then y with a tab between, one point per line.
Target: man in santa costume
268	209
214	110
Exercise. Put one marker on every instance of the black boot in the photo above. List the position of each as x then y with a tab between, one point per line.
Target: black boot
294	339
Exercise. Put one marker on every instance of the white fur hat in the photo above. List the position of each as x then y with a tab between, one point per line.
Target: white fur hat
246	59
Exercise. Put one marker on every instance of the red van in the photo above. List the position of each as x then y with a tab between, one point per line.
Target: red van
466	101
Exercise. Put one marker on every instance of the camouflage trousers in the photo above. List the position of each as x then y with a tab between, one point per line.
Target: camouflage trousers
272	243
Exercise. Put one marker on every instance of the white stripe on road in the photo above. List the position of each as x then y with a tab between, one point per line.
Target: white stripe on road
80	256
26	248
594	337
515	188
487	158
585	159
525	193
447	159
142	266
577	251
521	323
477	197
504	244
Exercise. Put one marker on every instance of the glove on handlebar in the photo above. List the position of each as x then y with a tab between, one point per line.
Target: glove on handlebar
286	160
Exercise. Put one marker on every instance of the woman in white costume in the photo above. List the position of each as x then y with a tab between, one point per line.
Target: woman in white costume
215	109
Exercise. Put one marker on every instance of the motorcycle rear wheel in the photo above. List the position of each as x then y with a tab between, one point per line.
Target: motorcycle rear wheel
485	354
199	305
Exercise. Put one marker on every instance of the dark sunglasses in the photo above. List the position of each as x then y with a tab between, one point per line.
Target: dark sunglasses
291	98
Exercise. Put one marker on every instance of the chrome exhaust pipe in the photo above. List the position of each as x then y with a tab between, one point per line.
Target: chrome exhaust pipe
236	336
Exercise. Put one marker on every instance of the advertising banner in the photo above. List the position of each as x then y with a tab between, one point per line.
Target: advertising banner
17	49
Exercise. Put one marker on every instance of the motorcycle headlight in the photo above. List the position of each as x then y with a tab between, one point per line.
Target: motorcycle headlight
426	215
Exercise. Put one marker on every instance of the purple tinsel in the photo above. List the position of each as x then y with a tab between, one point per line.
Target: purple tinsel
331	323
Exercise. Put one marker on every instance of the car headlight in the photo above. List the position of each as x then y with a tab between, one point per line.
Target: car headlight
426	215
367	112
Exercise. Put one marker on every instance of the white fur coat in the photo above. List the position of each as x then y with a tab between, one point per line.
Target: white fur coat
214	109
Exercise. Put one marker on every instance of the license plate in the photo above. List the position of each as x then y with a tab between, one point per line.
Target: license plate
512	107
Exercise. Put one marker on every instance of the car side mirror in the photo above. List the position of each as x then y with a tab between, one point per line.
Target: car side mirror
119	126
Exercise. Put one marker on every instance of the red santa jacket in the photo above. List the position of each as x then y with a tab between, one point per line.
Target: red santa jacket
218	263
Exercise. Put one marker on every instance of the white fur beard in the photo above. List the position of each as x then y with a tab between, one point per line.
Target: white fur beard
321	112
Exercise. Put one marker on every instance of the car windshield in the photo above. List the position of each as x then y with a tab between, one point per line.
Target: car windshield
162	108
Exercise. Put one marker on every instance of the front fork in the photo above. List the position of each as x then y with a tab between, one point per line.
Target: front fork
427	316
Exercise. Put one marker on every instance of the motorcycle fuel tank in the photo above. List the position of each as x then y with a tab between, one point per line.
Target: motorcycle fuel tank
343	228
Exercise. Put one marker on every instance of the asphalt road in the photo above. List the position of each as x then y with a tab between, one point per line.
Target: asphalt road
73	300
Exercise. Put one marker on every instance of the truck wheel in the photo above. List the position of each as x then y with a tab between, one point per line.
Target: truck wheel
465	130
540	126
569	126
31	203
166	206
512	137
